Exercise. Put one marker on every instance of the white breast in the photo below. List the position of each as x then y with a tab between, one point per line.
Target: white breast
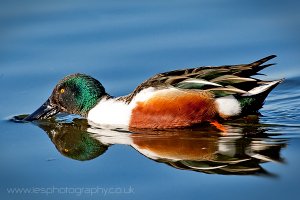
117	113
110	111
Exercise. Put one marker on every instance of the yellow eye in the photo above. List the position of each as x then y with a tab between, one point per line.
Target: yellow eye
62	90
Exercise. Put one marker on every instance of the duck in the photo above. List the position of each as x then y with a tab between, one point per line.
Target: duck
174	99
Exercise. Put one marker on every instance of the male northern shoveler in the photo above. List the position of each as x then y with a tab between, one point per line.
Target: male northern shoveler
179	98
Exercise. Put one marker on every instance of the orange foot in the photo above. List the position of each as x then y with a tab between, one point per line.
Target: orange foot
220	127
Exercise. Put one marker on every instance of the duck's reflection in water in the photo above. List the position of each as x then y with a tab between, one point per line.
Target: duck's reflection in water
241	151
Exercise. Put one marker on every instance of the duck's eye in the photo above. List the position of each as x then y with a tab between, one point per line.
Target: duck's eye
62	90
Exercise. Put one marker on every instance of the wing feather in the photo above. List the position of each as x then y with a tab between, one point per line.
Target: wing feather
220	80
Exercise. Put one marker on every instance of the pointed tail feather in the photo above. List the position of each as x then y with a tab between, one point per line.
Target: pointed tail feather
256	66
254	99
263	60
265	89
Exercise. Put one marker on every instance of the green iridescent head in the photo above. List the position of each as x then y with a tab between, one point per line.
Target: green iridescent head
75	94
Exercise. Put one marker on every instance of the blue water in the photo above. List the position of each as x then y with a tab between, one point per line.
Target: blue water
122	43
